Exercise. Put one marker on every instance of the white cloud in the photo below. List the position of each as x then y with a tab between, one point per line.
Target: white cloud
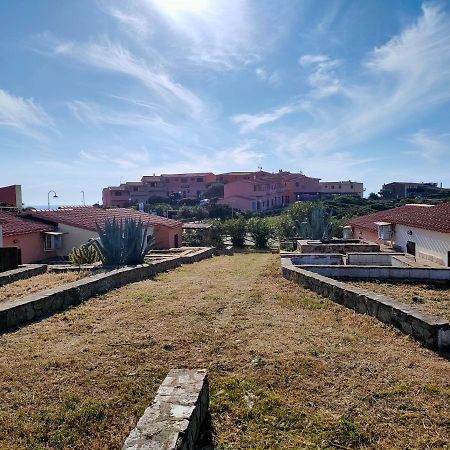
323	78
107	56
88	112
241	155
134	24
250	122
428	145
121	158
407	77
271	78
23	114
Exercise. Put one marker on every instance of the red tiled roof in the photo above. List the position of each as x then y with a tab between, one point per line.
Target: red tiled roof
13	224
86	217
435	218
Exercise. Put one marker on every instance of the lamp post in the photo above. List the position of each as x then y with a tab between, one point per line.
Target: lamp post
84	204
48	198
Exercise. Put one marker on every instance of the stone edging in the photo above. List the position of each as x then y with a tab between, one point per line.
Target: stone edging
26	271
174	420
44	303
433	331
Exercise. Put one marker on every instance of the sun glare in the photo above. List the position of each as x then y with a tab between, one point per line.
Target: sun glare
176	7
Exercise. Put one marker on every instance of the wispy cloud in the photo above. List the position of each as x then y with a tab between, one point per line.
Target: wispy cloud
272	78
323	78
22	114
428	145
397	82
121	158
89	112
113	57
250	122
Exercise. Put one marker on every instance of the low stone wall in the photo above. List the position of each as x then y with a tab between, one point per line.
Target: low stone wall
426	274
26	271
44	303
174	420
305	246
227	251
433	331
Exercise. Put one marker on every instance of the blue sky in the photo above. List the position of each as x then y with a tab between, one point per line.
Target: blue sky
92	92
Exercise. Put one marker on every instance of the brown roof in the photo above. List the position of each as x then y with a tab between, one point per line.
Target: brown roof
86	217
435	218
13	224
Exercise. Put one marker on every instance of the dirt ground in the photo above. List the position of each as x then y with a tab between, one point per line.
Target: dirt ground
22	288
429	298
287	369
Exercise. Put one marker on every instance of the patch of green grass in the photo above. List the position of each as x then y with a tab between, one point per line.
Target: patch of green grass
391	392
435	389
209	317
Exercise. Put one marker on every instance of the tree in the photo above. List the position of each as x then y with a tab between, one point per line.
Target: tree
260	230
214	190
373	196
283	226
237	229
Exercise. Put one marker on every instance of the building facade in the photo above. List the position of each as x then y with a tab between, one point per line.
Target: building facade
341	188
420	230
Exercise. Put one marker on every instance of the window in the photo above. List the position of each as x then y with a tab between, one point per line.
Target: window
332	187
184	180
351	186
52	241
135	189
340	186
200	180
117	193
152	184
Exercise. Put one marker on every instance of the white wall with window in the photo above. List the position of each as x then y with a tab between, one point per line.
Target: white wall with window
430	245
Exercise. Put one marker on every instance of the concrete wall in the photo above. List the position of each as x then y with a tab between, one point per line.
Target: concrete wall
318	259
381	273
174	421
376	259
305	246
433	331
31	246
73	237
430	245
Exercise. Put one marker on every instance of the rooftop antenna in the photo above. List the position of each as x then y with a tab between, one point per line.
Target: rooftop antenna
260	168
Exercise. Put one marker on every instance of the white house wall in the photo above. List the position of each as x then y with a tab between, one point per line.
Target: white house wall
430	245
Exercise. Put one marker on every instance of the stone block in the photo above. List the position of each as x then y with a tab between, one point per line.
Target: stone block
174	420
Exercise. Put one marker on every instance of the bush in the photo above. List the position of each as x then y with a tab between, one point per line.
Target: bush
283	226
260	230
237	229
217	232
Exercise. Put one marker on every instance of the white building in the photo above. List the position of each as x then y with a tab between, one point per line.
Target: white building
420	230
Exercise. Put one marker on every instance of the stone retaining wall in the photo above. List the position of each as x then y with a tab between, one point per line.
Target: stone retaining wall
433	331
174	420
26	271
44	303
305	246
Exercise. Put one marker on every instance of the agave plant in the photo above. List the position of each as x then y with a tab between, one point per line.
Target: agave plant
122	242
84	254
317	225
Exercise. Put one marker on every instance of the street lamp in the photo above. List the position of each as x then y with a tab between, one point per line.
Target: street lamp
84	204
48	198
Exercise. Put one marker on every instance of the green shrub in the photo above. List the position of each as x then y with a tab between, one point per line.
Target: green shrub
237	229
260	230
217	231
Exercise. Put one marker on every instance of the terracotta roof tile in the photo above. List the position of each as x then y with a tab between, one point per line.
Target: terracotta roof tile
13	224
435	218
86	217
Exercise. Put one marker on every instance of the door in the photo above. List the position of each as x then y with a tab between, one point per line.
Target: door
176	241
411	248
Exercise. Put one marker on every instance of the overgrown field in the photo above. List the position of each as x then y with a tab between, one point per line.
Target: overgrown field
22	288
288	369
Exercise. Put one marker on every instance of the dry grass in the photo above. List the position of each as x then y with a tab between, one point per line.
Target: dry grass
288	369
429	298
22	288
